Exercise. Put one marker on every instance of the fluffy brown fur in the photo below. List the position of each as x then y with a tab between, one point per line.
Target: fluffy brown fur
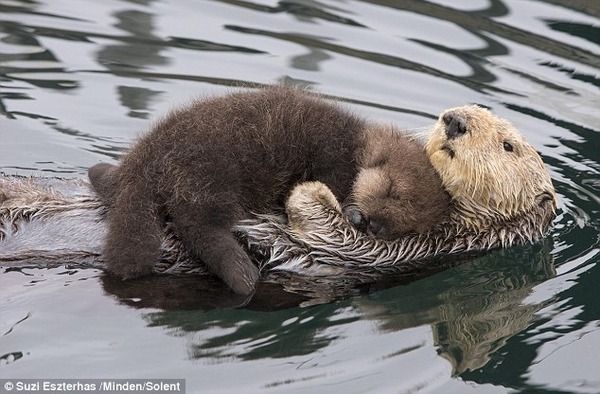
215	162
397	190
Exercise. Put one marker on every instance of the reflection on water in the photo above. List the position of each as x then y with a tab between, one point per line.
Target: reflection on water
78	83
472	309
133	52
475	327
478	305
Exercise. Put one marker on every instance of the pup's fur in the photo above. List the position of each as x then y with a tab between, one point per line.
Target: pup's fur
396	191
208	165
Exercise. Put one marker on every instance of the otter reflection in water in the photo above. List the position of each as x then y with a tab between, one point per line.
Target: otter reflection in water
472	309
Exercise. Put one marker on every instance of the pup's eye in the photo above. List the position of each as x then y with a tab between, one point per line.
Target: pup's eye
508	147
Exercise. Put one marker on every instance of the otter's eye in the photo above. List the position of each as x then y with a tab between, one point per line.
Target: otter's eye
508	147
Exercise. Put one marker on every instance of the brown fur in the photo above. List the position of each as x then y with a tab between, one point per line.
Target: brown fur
208	165
397	189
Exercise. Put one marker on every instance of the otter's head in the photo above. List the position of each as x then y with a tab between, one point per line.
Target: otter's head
493	175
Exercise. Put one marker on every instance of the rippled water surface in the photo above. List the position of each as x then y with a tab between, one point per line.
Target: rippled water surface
80	79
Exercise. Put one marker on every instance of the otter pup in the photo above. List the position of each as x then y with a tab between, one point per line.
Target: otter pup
395	191
213	163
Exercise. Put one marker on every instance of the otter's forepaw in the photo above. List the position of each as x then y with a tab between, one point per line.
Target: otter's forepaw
356	218
308	204
307	194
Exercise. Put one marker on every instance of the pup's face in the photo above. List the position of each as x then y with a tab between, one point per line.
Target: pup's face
379	207
487	166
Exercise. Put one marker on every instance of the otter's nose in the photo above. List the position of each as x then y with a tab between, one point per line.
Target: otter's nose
456	125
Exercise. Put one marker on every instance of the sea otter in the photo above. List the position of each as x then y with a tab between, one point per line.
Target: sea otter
218	161
508	201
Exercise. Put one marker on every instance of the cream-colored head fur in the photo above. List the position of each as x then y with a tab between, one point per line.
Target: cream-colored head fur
491	172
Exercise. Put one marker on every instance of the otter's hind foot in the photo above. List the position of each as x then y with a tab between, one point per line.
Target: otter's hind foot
241	276
104	181
206	232
227	259
134	236
130	267
129	258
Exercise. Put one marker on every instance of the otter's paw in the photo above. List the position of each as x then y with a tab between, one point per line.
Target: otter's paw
308	205
309	197
129	271
309	194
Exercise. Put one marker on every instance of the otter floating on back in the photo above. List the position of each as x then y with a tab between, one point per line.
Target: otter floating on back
501	192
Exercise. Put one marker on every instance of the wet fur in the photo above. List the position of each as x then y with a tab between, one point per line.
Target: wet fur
213	163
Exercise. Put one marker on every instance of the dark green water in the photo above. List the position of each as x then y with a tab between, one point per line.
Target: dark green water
80	79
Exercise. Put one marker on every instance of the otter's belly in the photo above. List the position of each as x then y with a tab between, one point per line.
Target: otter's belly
46	221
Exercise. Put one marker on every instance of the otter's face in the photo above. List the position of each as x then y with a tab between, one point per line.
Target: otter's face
488	168
377	210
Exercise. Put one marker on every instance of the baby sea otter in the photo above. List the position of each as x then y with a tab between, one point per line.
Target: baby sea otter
218	161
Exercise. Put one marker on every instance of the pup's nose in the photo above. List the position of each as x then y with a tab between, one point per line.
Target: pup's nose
456	125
